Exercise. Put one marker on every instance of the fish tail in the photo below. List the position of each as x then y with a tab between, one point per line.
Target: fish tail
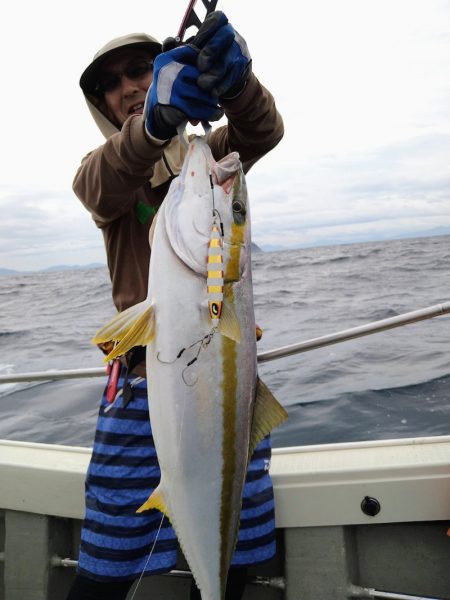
155	501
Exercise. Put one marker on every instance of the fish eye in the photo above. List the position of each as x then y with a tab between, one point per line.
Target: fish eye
238	207
239	211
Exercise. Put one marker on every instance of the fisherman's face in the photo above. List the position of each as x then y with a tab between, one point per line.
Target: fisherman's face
133	76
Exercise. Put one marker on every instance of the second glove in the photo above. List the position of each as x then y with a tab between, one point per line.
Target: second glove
224	59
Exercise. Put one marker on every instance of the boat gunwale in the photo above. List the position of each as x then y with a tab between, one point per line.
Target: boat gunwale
49	479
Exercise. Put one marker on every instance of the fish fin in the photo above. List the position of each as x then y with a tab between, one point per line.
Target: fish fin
135	326
228	322
155	500
267	414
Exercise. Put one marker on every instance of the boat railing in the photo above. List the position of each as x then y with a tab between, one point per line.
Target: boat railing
401	320
278	583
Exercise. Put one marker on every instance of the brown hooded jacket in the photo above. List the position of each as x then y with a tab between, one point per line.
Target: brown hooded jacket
123	182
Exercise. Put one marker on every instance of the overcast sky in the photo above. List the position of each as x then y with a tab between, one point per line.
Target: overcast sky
363	87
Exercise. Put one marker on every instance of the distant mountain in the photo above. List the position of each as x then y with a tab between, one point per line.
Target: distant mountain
55	268
273	248
8	272
437	231
256	248
432	232
73	267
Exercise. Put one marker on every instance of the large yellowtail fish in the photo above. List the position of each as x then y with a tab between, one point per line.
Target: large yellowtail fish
208	408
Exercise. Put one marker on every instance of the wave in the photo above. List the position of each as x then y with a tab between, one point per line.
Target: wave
17	333
379	315
428	389
407	411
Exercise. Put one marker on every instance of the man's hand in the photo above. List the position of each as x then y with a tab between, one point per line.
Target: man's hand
174	95
224	59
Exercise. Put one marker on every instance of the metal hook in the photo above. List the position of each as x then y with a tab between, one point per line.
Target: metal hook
182	127
180	130
170	362
192	373
207	128
202	343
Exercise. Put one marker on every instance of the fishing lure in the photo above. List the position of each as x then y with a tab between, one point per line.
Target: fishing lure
214	280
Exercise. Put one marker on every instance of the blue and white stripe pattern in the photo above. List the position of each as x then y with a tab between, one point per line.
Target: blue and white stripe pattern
115	540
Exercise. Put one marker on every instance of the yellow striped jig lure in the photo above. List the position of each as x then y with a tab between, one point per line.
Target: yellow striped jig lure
214	280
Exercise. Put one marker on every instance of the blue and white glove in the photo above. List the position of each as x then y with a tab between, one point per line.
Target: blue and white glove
174	95
224	59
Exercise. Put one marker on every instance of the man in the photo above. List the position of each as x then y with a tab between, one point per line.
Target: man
122	183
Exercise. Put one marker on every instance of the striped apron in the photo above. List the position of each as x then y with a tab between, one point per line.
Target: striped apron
116	541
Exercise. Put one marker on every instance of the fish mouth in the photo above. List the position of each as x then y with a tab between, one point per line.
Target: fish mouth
136	109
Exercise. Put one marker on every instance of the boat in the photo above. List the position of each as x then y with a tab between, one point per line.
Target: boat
354	520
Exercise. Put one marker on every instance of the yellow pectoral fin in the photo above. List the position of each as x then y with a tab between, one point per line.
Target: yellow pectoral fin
156	500
267	414
132	327
229	323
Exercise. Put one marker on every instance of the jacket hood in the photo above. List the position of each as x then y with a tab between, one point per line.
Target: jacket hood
95	102
88	79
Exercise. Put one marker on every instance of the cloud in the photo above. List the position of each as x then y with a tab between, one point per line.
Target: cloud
396	190
399	189
42	227
364	94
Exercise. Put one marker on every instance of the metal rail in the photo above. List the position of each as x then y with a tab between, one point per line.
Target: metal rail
355	591
52	375
355	332
415	316
271	582
360	592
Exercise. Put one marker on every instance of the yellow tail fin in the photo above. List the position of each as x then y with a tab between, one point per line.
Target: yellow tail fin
156	500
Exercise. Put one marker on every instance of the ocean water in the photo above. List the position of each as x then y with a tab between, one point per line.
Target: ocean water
389	385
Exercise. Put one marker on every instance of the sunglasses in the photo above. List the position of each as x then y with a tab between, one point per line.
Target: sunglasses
136	69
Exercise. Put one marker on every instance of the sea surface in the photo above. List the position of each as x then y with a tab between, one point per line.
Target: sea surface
394	384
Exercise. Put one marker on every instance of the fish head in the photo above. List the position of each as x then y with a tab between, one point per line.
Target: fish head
207	194
234	211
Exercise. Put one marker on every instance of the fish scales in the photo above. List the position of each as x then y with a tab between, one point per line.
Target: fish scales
202	376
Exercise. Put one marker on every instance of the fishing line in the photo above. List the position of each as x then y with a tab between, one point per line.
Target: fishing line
148	558
215	213
183	410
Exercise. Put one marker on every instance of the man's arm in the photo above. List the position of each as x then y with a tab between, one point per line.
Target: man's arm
254	125
107	176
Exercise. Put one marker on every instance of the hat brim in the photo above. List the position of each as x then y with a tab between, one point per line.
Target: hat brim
89	78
